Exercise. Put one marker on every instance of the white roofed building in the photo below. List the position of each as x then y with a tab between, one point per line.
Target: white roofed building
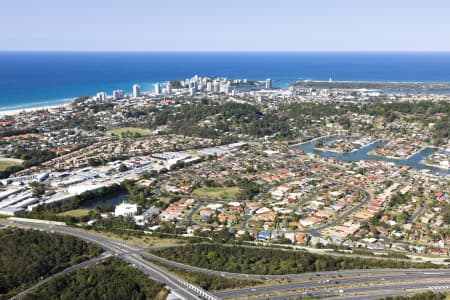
126	210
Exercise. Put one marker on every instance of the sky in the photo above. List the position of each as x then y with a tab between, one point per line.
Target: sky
225	25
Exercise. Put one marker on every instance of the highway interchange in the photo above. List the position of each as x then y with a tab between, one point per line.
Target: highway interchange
129	254
350	284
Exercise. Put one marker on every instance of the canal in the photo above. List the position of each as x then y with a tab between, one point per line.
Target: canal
363	154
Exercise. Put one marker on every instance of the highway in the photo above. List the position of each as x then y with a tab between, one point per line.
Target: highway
131	255
365	293
183	266
381	280
320	283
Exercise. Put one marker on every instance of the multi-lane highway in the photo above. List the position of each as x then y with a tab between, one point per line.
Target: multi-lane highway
318	286
346	284
130	254
362	293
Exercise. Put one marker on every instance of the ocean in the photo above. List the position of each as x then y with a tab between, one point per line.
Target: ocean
33	79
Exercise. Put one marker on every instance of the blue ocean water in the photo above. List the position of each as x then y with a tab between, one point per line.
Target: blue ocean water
29	79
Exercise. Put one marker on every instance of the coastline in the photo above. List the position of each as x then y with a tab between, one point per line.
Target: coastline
45	80
312	140
353	151
373	153
12	112
423	162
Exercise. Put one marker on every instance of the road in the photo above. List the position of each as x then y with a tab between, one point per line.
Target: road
366	293
63	272
187	267
191	215
131	255
352	281
418	212
317	231
383	280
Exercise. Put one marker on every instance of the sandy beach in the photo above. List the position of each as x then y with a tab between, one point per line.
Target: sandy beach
13	112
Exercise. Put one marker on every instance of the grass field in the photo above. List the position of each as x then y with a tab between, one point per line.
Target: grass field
217	192
164	199
129	131
5	164
81	212
144	241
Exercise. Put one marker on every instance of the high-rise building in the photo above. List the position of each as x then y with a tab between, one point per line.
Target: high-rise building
268	84
209	86
168	89
224	87
102	96
157	89
118	94
216	86
136	91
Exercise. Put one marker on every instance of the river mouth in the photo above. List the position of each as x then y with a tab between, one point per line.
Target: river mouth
363	154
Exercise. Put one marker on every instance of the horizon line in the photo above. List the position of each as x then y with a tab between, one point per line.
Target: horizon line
225	51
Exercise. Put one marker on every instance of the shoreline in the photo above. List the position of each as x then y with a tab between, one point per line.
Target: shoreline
353	151
433	166
373	153
12	112
423	161
312	140
51	103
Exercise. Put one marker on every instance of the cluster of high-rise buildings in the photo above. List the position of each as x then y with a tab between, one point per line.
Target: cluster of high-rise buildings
206	84
163	90
215	85
116	95
136	92
190	86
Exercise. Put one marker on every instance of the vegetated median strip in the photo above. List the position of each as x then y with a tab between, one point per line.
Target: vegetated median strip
261	261
209	282
301	276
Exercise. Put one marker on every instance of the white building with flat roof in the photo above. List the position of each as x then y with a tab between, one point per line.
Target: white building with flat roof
126	210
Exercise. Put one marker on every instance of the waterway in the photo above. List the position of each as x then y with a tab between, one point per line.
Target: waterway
363	154
113	200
